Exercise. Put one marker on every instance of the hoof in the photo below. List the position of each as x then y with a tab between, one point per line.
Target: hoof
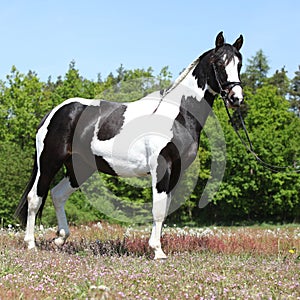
160	255
160	258
59	241
30	243
31	248
62	235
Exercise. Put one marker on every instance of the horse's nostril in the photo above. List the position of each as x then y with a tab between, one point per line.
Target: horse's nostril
237	101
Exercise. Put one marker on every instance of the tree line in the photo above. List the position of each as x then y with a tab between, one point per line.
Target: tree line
249	191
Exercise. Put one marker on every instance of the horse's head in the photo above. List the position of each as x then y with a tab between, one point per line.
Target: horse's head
225	65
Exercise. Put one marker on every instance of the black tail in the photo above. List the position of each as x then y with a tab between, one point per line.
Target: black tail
22	209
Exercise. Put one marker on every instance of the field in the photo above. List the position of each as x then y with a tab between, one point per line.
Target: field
103	261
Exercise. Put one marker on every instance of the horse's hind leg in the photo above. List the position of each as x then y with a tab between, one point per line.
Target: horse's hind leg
59	194
63	190
34	203
36	199
50	157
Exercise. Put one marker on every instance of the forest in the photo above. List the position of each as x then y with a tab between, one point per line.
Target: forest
249	192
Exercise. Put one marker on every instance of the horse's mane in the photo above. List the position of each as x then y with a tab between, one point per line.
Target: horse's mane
182	75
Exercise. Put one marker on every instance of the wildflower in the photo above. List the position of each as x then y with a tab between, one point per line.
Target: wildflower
99	287
292	251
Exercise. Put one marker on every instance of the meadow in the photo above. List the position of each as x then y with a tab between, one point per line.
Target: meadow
104	261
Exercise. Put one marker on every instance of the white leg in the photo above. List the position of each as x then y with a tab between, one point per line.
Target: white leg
60	193
34	203
160	210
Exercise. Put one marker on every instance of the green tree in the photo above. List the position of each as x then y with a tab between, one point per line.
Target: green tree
295	92
281	81
256	71
250	191
73	85
21	107
135	84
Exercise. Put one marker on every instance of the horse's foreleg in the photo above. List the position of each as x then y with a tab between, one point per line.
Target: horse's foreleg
161	200
160	209
165	171
60	193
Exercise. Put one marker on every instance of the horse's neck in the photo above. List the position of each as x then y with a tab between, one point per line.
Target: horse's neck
195	100
186	85
191	87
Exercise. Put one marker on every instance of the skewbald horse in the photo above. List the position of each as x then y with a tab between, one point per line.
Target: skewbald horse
94	135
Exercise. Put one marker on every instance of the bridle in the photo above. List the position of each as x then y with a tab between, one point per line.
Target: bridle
225	90
226	87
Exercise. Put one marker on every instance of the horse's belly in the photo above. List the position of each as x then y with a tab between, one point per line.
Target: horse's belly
130	157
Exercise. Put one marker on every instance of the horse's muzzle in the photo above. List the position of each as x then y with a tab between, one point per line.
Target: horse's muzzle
234	102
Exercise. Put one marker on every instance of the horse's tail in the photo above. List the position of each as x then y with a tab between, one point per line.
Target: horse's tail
22	209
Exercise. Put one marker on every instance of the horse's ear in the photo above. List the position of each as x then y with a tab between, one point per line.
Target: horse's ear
220	40
238	43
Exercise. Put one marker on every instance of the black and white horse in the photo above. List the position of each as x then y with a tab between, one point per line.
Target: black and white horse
157	135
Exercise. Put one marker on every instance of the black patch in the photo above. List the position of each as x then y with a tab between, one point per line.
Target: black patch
182	150
103	166
112	119
168	169
83	136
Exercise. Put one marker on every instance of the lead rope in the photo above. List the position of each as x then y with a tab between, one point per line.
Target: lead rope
249	146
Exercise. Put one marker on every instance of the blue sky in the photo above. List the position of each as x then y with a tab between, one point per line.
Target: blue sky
44	36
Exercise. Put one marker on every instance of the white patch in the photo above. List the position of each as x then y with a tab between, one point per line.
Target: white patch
189	87
233	76
232	70
60	193
154	241
34	203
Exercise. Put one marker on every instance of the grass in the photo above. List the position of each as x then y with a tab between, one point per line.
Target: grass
103	261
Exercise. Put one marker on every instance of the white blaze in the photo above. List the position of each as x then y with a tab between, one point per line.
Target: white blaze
233	76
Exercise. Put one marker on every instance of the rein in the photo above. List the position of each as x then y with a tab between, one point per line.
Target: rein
248	145
224	92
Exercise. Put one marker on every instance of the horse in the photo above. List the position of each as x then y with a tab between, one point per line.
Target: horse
155	136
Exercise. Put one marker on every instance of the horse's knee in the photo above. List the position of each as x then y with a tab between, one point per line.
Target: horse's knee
160	206
34	202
